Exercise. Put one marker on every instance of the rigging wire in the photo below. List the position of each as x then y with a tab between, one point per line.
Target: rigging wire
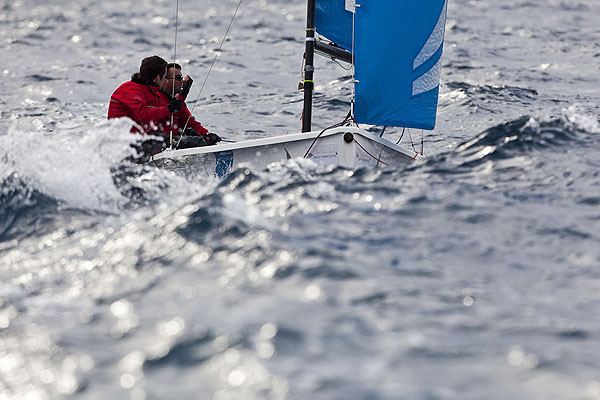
175	46
412	143
173	83
213	63
402	135
382	131
341	66
353	69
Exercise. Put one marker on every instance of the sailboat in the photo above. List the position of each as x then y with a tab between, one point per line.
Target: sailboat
395	49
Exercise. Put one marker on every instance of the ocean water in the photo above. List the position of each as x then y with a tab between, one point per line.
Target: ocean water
471	274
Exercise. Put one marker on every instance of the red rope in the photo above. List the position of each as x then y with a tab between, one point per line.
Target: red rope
155	161
365	150
320	133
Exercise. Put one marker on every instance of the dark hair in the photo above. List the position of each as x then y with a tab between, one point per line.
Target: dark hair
173	65
152	66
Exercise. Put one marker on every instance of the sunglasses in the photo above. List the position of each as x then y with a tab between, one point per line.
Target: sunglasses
176	77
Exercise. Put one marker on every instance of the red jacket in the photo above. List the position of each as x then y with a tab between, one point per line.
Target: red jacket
142	103
181	119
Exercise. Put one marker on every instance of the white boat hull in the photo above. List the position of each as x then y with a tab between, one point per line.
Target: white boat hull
348	147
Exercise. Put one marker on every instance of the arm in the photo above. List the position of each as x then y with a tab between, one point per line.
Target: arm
184	114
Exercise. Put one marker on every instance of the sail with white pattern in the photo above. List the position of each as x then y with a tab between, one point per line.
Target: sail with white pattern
397	56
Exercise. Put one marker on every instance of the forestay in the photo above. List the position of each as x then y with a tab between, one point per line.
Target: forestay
397	56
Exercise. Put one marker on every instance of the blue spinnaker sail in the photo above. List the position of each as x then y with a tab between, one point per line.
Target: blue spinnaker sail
333	20
398	48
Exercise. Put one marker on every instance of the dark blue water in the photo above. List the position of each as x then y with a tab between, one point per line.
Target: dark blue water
471	274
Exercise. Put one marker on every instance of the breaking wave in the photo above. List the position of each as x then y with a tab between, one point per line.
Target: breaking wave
81	166
71	163
486	97
523	135
21	208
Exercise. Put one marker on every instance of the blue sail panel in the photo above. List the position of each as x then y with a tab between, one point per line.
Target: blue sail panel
334	21
398	51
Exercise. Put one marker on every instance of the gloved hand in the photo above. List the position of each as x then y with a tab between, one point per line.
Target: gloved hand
174	105
187	142
212	138
190	132
185	86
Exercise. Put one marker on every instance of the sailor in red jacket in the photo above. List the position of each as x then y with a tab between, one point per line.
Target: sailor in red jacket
182	122
139	99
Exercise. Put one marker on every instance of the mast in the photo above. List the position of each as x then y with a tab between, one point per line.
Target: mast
309	68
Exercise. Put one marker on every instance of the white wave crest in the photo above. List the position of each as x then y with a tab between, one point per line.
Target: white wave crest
72	162
577	115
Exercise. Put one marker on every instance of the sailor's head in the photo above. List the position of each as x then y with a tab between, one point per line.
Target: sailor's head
174	79
153	69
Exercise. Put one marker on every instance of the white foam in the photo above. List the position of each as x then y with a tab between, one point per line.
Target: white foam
576	115
72	163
